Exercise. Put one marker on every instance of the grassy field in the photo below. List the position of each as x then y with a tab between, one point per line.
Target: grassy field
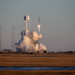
48	72
38	60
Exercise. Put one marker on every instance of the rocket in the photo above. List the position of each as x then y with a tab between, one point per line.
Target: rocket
39	24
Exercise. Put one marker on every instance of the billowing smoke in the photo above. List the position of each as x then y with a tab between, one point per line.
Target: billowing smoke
29	43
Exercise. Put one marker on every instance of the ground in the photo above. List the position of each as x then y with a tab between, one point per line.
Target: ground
41	60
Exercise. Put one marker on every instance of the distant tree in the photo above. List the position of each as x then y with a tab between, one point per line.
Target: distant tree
70	51
37	51
9	49
5	50
45	51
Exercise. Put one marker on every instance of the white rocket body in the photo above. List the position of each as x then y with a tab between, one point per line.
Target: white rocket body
39	24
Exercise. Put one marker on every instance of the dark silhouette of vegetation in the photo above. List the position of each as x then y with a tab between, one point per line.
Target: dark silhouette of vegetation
37	51
45	51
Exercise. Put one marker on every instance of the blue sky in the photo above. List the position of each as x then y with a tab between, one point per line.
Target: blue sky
57	22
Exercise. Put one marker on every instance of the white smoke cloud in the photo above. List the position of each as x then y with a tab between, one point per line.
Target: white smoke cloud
30	42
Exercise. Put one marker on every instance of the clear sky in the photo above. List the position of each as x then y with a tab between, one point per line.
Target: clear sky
57	22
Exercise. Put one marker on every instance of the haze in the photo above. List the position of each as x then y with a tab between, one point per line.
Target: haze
57	19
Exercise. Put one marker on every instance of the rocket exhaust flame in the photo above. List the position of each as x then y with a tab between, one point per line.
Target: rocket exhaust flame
39	27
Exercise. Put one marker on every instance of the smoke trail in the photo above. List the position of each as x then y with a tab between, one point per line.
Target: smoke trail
32	42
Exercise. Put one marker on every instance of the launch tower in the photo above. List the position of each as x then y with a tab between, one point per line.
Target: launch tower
26	27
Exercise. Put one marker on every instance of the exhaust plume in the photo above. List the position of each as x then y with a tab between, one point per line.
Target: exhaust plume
30	42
